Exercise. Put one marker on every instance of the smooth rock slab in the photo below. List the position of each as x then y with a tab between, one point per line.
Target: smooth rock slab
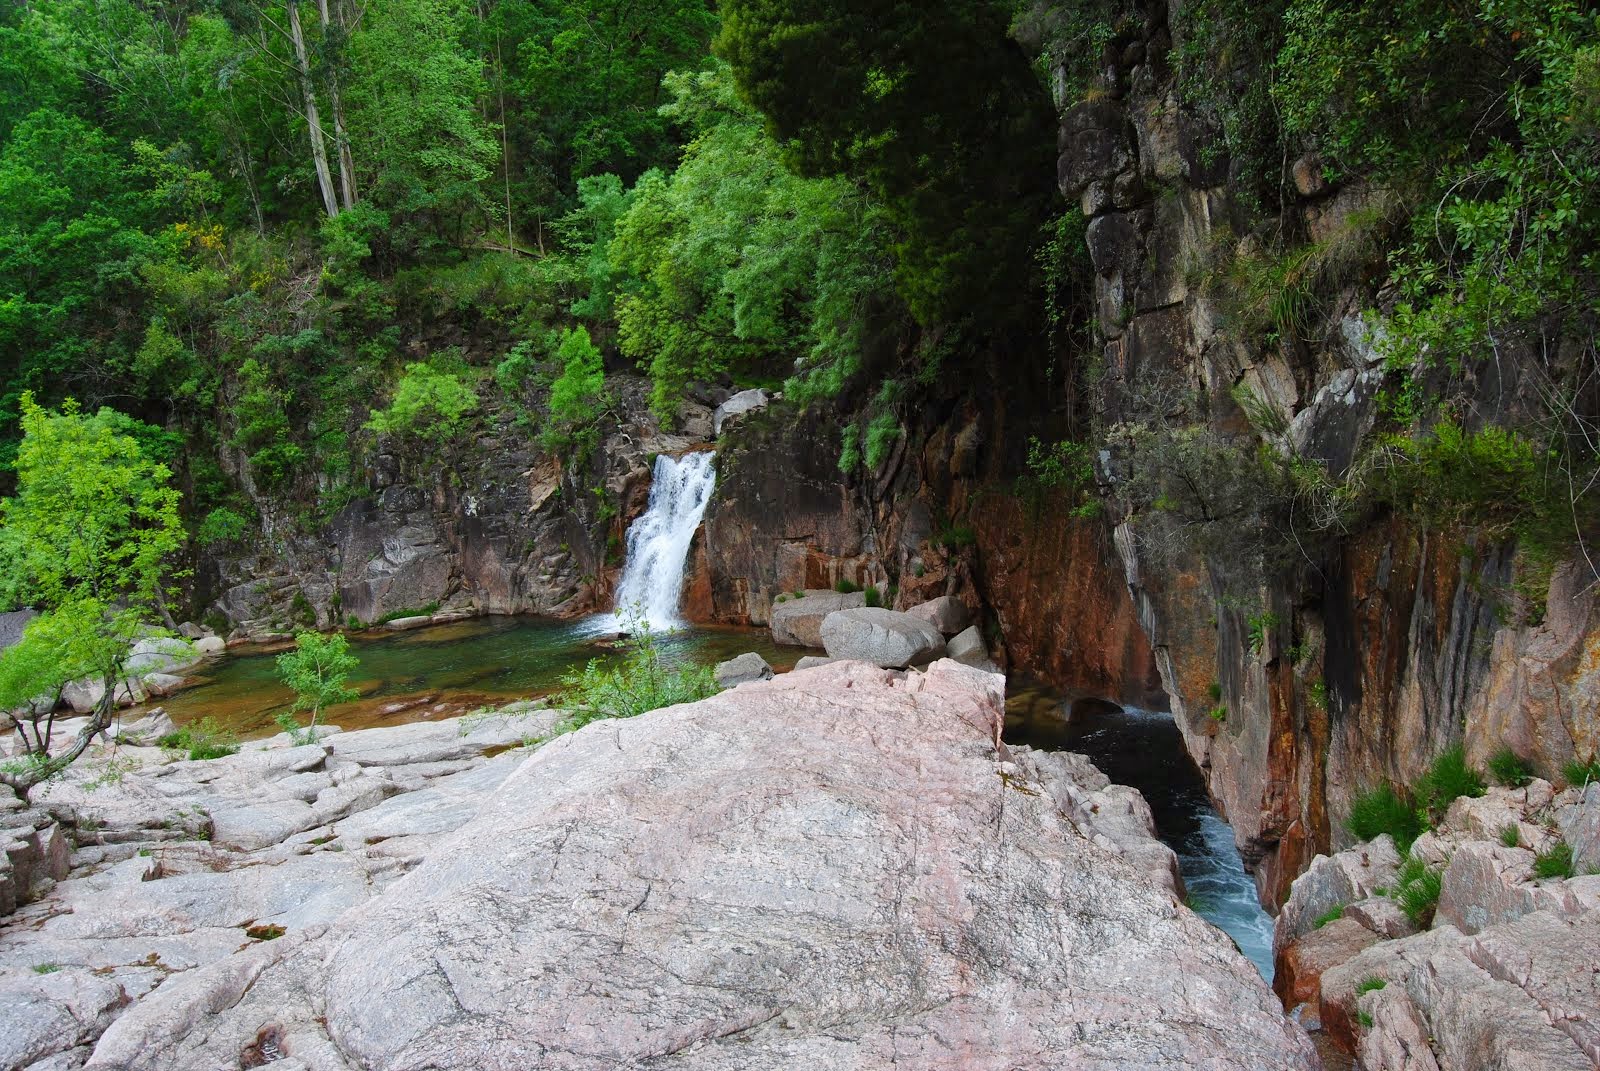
830	870
885	638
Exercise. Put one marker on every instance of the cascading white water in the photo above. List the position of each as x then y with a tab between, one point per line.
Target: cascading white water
657	549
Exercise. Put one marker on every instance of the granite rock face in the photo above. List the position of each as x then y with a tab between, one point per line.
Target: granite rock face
508	530
797	622
837	869
886	638
1503	977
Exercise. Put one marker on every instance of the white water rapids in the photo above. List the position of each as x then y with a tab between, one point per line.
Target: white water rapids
657	549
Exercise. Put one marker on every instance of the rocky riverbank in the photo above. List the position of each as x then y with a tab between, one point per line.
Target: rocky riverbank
841	867
1499	973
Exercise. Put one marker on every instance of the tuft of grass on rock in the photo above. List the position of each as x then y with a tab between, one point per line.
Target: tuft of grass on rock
1579	773
1384	810
1370	985
1510	835
1420	885
1333	914
1554	862
1447	780
1508	769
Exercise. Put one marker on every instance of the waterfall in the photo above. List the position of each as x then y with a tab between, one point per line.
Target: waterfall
657	550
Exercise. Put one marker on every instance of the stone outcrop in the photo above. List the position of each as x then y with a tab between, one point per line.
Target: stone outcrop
797	621
1503	976
183	867
838	868
746	401
885	638
506	528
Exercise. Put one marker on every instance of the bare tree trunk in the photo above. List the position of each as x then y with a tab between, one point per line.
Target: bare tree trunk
347	164
319	149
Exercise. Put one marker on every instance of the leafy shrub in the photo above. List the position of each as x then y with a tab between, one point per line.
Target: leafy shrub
873	597
205	739
1419	890
1384	810
429	407
1447	779
1508	769
1214	690
1219	714
222	525
577	397
956	535
641	682
1554	862
316	671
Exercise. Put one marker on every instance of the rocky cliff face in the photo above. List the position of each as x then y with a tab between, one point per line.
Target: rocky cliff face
1351	665
500	528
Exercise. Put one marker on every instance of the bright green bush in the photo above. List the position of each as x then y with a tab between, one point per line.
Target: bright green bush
577	397
205	739
222	525
643	680
429	407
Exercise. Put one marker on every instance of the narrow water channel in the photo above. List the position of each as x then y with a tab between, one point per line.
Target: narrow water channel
1145	750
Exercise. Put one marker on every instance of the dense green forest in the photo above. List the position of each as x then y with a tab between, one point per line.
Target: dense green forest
267	233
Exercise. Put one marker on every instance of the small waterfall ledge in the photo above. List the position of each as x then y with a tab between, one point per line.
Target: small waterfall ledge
656	553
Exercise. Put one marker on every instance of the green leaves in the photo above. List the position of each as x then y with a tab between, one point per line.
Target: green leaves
317	671
93	517
429	407
736	265
577	397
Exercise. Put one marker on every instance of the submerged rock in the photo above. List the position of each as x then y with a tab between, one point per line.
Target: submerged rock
743	669
835	869
885	638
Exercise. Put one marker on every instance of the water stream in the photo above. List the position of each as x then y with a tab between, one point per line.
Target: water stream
657	549
1145	750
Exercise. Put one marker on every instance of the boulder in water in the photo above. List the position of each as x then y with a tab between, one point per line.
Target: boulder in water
886	638
798	622
742	670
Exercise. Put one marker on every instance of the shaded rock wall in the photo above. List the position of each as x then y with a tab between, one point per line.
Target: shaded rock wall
1362	661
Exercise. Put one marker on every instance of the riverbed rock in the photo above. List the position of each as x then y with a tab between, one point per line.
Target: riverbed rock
1298	976
967	647
1334	881
746	401
743	669
885	638
811	661
400	624
148	730
798	622
947	613
829	870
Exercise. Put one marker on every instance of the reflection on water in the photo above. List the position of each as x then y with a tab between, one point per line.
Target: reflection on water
440	671
1145	750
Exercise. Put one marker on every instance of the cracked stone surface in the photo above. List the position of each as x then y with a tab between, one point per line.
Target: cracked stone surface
840	868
